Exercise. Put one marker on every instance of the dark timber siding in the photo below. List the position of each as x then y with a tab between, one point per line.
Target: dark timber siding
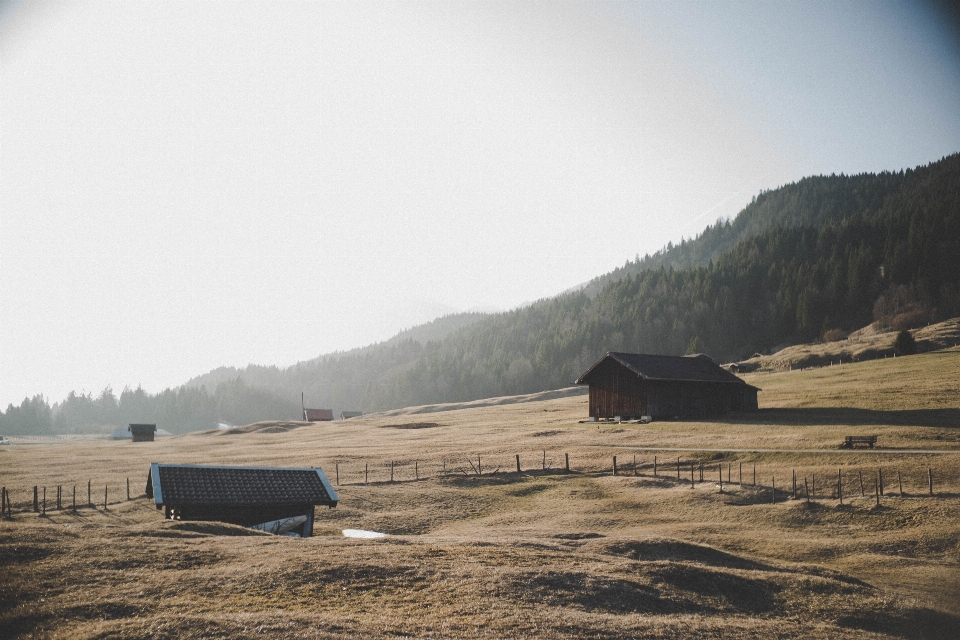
616	391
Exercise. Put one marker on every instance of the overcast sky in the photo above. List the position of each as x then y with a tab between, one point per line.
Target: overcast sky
185	185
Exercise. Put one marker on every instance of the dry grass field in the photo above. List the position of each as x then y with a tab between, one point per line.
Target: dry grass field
543	552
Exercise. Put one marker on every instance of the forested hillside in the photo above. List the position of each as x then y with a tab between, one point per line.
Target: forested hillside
817	258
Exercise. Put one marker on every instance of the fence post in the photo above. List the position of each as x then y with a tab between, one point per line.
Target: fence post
416	469
813	481
391	471
692	483
543	466
654	466
128	489
794	472
336	467
930	478
75	498
839	486
566	458
876	489
678	467
366	472
89	499
104	497
36	500
44	501
634	464
741	475
880	480
614	465
860	474
59	491
720	471
806	488
754	475
479	468
518	463
728	473
3	501
701	471
773	491
900	482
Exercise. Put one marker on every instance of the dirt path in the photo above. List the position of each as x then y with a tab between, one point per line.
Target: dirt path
726	450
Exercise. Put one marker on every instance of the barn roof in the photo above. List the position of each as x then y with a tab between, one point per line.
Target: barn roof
142	428
215	486
698	368
316	415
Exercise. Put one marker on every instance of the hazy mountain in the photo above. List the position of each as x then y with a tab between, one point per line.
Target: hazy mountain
816	258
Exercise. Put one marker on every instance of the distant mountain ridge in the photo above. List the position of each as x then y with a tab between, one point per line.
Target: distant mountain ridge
810	260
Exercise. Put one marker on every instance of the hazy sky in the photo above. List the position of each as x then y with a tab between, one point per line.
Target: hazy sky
185	185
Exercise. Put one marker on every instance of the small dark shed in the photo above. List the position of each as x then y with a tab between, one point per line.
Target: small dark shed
142	432
317	415
274	499
632	385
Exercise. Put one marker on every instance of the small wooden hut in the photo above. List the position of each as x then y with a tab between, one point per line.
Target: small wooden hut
633	385
273	499
142	432
317	415
346	415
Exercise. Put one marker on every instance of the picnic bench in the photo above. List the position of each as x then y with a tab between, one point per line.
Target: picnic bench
853	441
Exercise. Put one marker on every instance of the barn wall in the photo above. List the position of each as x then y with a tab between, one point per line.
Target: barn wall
615	391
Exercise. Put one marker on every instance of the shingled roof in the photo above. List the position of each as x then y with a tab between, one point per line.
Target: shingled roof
185	485
317	415
699	368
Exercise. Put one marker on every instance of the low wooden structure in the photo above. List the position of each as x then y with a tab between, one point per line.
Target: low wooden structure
274	499
634	385
317	415
142	432
346	415
849	442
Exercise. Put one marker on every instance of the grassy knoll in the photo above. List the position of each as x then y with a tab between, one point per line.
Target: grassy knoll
543	552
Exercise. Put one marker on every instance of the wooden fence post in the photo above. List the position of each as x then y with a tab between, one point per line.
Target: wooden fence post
75	497
44	501
366	473
654	466
59	491
876	489
634	464
416	469
728	473
741	475
3	501
692	483
813	481
543	465
104	497
930	478
518	463
773	491
391	471
678	468
336	467
900	482
860	475
36	500
794	472
806	490
754	475
880	481
479	468
566	458
701	471
839	486
89	499
128	488
614	465
720	471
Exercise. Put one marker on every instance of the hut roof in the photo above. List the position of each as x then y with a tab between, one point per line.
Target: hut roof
699	368
317	415
142	428
200	485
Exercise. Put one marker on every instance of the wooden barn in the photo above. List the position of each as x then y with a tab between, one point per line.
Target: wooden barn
317	415
142	432
633	385
274	499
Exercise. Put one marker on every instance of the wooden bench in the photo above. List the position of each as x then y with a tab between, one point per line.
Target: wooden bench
852	441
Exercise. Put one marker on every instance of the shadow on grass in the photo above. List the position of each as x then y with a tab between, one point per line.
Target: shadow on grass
843	416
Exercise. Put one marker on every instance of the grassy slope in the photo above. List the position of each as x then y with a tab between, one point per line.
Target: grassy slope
542	552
